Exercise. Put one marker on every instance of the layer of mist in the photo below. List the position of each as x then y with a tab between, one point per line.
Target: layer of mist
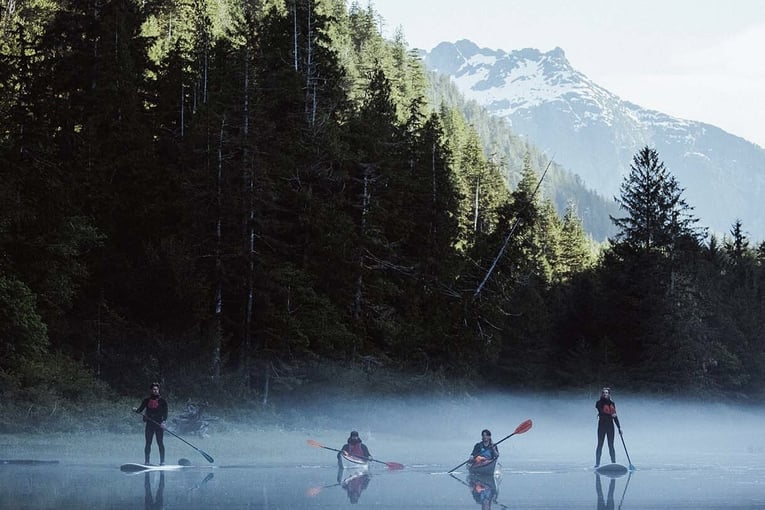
440	433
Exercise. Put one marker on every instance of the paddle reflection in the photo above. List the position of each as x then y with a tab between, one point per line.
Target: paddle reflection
604	504
154	501
354	482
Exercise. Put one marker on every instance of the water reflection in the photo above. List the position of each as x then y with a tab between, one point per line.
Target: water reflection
354	482
236	487
604	504
154	501
483	488
608	502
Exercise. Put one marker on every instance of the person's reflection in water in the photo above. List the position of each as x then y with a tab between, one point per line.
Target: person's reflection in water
602	503
154	502
355	484
484	490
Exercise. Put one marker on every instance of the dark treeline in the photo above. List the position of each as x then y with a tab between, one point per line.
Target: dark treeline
220	193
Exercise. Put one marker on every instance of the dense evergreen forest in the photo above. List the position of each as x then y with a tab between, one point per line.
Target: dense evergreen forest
221	193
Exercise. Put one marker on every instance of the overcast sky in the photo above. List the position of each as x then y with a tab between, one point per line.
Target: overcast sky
694	59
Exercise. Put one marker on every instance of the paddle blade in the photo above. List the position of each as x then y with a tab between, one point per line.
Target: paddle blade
394	465
523	427
315	444
313	491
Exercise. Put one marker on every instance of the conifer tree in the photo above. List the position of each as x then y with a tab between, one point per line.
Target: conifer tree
576	251
658	217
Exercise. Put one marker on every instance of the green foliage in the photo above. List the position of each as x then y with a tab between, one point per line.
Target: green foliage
657	215
216	194
51	392
23	334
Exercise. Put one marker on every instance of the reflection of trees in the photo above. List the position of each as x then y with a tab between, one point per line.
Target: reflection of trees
154	502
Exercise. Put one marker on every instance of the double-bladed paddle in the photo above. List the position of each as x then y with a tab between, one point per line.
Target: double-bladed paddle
391	465
520	429
204	454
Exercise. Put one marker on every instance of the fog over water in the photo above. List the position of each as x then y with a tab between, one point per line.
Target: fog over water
686	454
564	427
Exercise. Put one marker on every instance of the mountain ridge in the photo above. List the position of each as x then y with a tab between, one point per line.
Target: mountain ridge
594	133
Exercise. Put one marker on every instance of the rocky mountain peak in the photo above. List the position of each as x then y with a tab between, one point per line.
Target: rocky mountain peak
595	133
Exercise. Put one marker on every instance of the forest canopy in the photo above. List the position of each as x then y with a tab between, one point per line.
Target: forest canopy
207	192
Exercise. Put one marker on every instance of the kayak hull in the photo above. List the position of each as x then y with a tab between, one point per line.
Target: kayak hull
350	462
488	467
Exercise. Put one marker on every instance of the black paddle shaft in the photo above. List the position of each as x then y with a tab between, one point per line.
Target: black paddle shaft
204	454
625	450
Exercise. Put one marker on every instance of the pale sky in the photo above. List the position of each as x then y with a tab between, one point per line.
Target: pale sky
698	60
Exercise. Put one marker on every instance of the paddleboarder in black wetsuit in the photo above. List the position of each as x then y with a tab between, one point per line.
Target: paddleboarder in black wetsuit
606	419
155	417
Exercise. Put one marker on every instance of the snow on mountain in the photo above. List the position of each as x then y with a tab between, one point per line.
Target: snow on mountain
594	133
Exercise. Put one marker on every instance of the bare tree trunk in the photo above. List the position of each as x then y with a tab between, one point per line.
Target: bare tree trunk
182	111
98	333
433	173
218	314
266	383
207	51
249	185
365	199
295	34
477	195
310	72
7	14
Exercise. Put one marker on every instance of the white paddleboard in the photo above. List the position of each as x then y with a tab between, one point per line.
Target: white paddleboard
136	468
612	470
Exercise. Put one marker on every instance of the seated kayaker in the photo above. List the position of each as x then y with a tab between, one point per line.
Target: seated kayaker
354	447
484	450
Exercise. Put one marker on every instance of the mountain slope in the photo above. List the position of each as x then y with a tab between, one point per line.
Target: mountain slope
594	133
560	185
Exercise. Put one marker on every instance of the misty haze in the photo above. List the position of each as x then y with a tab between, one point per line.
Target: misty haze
685	456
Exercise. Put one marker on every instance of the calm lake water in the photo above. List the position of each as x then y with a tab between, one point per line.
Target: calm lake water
688	456
302	487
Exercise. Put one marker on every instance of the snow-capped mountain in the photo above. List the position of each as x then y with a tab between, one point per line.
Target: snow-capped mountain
594	133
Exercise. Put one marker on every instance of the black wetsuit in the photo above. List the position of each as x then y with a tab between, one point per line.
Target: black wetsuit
156	412
606	409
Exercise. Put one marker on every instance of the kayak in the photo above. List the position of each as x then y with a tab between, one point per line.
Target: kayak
351	462
484	467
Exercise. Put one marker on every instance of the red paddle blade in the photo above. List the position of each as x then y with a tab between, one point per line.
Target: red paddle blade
312	491
523	427
315	443
394	465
